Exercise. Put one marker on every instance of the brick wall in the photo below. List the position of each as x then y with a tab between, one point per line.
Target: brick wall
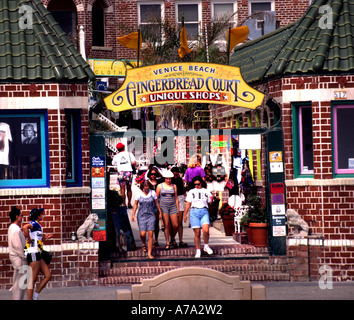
307	259
65	208
324	202
73	264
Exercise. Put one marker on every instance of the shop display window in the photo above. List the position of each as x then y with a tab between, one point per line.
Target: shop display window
24	149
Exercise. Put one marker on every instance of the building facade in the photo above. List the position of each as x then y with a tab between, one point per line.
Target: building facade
105	20
44	136
309	73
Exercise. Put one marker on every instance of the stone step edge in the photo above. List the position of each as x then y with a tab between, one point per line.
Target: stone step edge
204	257
218	249
129	280
155	270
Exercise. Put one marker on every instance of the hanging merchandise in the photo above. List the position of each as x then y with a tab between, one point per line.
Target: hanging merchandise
5	137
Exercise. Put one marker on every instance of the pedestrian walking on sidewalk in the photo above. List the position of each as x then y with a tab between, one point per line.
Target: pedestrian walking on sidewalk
155	178
198	199
178	182
16	242
34	248
194	170
146	201
125	162
167	194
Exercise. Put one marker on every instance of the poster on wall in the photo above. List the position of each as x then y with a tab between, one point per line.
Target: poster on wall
98	195
278	209
99	234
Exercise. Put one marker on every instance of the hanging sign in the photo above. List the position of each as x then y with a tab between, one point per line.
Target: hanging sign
183	83
109	67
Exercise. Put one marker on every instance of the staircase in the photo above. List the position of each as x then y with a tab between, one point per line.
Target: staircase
247	261
110	142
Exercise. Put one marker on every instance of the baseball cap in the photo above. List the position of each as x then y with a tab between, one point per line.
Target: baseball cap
120	146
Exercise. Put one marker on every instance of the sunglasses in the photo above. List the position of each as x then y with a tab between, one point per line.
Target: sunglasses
152	174
197	184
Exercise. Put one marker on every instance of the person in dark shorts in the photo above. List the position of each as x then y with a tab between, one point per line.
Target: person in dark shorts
34	246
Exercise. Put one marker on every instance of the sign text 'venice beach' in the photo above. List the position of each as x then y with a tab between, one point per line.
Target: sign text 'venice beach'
183	83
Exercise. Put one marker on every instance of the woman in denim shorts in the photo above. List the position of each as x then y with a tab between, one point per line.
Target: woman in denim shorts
197	199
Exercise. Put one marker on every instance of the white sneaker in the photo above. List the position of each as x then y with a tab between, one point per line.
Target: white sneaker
208	250
198	254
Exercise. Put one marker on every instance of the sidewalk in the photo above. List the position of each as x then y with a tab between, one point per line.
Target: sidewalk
274	291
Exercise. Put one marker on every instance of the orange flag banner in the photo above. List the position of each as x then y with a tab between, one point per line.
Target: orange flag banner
236	36
131	41
183	50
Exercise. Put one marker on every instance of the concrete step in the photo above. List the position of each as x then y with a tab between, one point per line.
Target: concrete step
249	262
219	251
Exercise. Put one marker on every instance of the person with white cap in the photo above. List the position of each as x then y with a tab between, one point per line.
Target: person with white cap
125	162
166	192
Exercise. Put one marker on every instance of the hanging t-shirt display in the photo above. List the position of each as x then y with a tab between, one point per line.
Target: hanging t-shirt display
5	137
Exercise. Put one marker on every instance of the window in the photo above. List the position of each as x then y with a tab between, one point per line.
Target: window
98	24
303	141
73	148
64	12
149	16
191	15
343	143
261	18
223	12
260	6
24	149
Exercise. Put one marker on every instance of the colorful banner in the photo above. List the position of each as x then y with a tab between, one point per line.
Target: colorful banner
183	83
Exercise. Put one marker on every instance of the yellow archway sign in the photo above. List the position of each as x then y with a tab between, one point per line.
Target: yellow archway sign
183	83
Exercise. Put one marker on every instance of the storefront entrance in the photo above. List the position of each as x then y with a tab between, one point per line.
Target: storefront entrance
273	187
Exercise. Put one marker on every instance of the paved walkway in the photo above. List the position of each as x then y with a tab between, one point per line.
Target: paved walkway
274	291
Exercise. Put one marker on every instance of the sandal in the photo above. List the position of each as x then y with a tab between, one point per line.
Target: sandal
174	244
168	247
143	248
156	244
183	244
150	257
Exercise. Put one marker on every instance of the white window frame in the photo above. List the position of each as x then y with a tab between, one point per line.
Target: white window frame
160	3
222	43
235	17
199	3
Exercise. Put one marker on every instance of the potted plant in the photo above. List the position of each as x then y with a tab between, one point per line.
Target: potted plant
227	215
255	221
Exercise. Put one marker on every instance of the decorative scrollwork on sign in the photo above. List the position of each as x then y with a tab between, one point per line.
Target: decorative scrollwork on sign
117	99
246	94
